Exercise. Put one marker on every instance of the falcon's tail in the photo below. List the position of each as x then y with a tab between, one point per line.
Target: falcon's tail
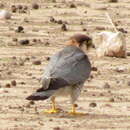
42	93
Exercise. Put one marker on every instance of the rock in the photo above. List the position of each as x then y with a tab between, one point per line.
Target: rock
34	40
13	9
25	7
13	83
114	1
120	69
112	100
4	14
100	28
122	30
60	22
37	62
94	68
23	83
7	85
106	85
14	39
24	42
20	7
93	104
128	83
35	6
47	58
84	29
32	102
20	29
128	53
52	20
57	128
63	27
2	5
72	5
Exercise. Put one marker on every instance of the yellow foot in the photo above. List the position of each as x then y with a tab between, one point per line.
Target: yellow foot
77	113
52	111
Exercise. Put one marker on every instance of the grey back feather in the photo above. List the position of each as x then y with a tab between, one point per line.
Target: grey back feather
70	64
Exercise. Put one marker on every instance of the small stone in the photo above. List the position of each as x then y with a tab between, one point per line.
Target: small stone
106	85
122	30
32	102
128	53
120	69
2	5
114	1
52	20
57	128
72	5
25	7
47	43
47	58
20	29
20	7
21	63
34	40
37	62
112	100
128	83
13	83
92	104
94	68
60	22
35	6
50	119
63	27
23	83
100	28
84	29
7	85
13	8
14	39
24	42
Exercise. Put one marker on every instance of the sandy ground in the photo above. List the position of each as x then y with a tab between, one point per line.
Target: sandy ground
106	96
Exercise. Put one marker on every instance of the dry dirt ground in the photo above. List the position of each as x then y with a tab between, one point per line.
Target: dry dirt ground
106	95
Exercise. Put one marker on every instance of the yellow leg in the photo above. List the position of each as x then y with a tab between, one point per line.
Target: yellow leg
73	110
53	109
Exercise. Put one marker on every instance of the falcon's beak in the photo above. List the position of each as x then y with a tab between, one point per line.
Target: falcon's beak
89	44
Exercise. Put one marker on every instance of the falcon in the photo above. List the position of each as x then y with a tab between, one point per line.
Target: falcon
66	73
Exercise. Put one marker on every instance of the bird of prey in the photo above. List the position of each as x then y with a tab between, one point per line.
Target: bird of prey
66	73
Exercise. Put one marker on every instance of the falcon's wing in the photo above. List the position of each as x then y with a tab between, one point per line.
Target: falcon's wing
70	64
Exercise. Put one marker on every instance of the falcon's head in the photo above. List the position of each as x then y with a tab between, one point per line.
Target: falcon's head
81	40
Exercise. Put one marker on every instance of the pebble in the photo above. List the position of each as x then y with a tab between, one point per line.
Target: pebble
106	85
112	100
93	104
24	42
57	128
13	83
94	68
35	6
37	62
63	27
20	29
72	5
47	58
8	85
